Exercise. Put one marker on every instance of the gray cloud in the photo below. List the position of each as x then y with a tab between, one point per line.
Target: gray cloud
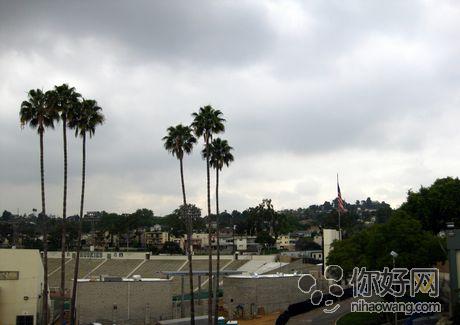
174	32
308	89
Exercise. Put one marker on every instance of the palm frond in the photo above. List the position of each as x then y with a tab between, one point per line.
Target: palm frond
207	121
179	140
85	116
219	153
36	111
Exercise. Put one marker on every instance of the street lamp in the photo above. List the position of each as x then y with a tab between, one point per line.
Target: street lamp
394	255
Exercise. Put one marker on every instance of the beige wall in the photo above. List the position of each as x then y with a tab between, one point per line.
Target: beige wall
273	293
22	296
285	242
135	300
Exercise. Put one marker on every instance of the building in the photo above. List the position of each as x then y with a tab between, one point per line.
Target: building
286	242
329	235
247	244
92	216
21	286
155	237
310	254
120	300
178	240
200	240
453	246
245	296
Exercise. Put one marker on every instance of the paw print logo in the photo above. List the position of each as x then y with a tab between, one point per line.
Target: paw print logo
307	283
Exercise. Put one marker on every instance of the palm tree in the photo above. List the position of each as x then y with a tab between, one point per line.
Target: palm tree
38	115
64	98
219	155
178	141
206	122
84	118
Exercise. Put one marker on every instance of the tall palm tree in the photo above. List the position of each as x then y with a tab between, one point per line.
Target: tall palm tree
38	115
206	122
84	118
64	98
219	155
180	141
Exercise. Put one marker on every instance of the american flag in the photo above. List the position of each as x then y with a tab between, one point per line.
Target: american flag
340	206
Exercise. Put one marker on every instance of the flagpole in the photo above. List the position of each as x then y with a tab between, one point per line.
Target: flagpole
340	229
338	211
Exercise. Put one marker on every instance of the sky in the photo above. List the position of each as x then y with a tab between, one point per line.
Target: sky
309	89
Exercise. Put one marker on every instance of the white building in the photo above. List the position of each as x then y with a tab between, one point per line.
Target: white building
330	235
21	286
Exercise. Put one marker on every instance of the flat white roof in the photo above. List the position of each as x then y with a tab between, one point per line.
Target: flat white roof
262	276
125	280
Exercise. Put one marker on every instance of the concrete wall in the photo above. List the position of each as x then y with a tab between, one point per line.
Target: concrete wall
21	296
271	292
264	258
136	301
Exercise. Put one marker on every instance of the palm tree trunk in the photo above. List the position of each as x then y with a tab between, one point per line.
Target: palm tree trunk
45	238
216	298
77	257
64	202
209	233
188	216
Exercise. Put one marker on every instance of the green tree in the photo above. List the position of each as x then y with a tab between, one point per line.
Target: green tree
264	238
7	216
264	218
220	156
371	247
171	248
144	217
306	244
36	112
177	225
85	117
383	213
113	223
435	205
180	141
207	122
141	218
64	99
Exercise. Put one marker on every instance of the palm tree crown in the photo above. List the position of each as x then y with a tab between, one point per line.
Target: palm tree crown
85	117
64	99
219	153
208	121
37	112
179	140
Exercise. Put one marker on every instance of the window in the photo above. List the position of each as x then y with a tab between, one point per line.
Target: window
24	320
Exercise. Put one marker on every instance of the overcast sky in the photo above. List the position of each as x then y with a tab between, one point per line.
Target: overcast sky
368	89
